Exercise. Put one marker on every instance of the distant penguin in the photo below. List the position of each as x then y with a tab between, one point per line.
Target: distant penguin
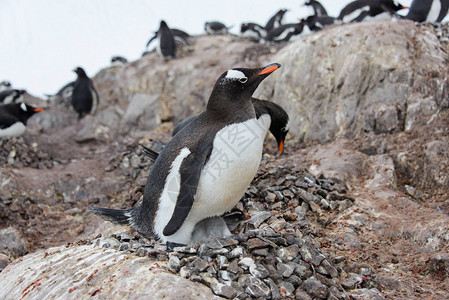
276	20
360	10
179	35
206	168
5	85
428	10
118	60
285	33
11	96
85	98
14	117
316	23
253	31
216	28
167	46
318	8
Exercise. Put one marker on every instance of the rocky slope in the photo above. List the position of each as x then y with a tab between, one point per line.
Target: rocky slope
368	104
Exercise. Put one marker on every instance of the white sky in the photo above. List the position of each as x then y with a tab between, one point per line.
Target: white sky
42	41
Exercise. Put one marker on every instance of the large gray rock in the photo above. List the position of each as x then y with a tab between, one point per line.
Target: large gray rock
376	77
84	271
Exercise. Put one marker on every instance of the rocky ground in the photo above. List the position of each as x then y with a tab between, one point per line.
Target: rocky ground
363	214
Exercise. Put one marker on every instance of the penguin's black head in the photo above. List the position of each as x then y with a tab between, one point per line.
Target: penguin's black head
279	128
80	72
243	27
25	111
394	4
237	85
163	24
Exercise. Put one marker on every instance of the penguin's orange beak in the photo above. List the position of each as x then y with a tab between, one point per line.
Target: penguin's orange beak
38	109
404	7
269	69
281	147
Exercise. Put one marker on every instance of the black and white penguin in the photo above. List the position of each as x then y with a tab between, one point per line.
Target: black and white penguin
316	23
428	10
205	169
179	35
253	31
5	85
11	96
215	28
360	10
285	33
118	60
167	45
14	117
276	20
318	8
85	98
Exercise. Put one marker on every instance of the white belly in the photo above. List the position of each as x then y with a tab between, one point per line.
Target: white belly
232	165
16	129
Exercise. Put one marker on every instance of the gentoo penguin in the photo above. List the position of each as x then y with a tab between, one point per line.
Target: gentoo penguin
253	31
318	8
315	23
275	21
84	96
64	95
11	95
206	167
118	60
167	45
179	35
216	27
428	10
360	10
14	117
5	85
285	33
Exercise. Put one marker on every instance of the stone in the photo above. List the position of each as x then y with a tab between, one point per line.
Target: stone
288	253
315	288
439	265
300	294
258	218
237	252
303	270
187	272
245	263
223	290
199	264
256	243
12	243
234	268
219	243
258	270
285	270
4	261
256	288
174	264
226	275
286	288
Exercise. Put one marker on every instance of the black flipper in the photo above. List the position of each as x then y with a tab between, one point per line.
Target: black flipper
118	216
149	152
190	172
152	39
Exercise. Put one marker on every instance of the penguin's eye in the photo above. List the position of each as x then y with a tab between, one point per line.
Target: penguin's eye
243	80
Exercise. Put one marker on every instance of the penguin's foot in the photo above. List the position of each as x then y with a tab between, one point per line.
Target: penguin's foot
172	245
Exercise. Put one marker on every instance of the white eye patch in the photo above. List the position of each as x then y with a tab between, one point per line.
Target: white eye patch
23	107
235	75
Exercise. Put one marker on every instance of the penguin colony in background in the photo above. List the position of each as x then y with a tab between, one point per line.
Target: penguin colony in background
189	182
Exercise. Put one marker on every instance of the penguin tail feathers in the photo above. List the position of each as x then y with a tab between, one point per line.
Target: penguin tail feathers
118	216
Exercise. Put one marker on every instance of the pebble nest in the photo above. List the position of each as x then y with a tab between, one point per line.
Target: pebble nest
273	252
